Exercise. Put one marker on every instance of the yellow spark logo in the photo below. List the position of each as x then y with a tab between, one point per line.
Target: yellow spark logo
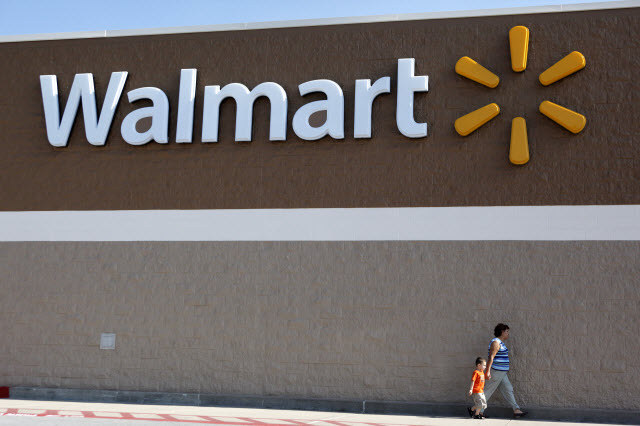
519	46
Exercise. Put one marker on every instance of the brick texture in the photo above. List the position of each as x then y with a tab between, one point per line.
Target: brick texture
398	321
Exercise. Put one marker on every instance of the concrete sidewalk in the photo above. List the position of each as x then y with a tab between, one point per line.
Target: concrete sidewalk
59	412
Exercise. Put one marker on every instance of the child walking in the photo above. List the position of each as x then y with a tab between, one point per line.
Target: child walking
477	390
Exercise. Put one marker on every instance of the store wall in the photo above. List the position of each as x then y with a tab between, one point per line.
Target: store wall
597	166
383	320
351	320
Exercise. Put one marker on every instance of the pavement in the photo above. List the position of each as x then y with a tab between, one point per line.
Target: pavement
28	412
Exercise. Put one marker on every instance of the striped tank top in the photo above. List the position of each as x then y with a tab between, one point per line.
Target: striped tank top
501	361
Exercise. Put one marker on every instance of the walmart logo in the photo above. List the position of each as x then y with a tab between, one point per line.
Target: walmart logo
519	46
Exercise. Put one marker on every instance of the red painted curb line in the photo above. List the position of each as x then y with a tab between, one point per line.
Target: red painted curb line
184	418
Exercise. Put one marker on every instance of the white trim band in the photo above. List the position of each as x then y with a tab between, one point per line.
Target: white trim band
325	21
560	223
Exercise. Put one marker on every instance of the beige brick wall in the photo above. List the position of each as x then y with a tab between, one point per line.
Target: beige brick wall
361	320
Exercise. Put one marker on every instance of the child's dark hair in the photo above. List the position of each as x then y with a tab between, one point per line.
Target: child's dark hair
480	360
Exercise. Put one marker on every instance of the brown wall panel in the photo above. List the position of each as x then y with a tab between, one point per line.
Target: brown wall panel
598	166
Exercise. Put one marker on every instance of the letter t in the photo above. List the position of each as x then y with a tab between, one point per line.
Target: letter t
407	85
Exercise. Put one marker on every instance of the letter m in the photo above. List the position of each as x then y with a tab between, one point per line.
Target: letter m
213	96
82	88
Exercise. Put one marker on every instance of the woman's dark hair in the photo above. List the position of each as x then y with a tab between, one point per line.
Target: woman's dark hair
480	360
499	329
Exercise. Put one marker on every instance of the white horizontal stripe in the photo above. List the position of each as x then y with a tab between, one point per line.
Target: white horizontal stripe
359	224
325	21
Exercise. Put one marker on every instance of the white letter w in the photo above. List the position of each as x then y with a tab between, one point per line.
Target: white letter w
82	87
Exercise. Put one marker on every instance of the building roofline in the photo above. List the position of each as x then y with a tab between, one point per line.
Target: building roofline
323	21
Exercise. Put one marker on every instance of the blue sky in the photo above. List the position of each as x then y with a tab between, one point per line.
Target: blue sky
52	16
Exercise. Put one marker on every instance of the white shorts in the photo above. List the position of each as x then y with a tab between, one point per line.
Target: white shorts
479	400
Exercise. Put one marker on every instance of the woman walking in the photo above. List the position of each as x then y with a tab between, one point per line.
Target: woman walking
498	367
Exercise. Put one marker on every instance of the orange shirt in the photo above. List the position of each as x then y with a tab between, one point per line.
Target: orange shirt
478	381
